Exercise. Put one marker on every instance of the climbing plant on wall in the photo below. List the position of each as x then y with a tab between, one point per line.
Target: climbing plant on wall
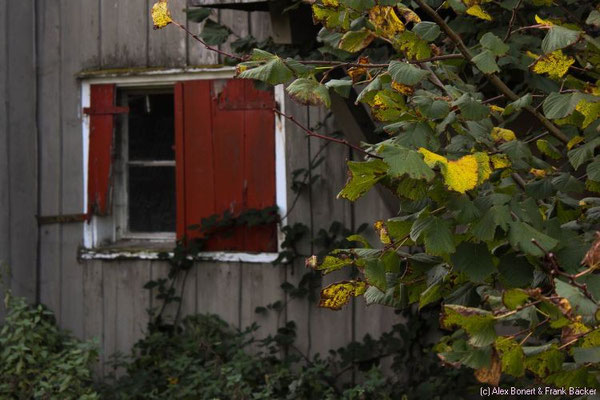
490	111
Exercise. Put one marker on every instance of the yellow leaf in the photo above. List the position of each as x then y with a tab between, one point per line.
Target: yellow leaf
541	21
356	73
500	161
431	158
574	141
462	175
413	47
161	16
404	89
502	135
538	173
409	15
331	3
590	110
479	12
490	375
542	2
592	186
555	64
483	167
384	236
496	108
338	294
386	22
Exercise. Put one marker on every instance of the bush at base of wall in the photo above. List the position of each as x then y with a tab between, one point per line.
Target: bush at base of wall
38	361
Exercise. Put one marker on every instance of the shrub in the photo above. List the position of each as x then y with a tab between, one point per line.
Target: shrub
38	361
207	359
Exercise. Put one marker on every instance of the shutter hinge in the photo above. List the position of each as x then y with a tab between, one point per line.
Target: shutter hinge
61	219
105	110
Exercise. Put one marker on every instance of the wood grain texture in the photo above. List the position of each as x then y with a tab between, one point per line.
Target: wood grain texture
22	147
4	162
197	54
49	124
125	30
219	290
238	22
260	25
93	300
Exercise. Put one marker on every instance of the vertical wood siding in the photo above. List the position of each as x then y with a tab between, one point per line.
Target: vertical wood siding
45	43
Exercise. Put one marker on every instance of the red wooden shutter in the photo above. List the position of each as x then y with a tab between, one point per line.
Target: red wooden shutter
225	145
101	111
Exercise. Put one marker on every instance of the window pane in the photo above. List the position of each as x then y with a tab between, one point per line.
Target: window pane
151	127
151	199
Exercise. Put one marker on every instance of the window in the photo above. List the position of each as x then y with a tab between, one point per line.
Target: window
164	155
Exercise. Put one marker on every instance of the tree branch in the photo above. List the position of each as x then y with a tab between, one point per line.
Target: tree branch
494	80
358	65
323	137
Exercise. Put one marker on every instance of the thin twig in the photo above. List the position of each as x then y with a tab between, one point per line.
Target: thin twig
207	46
512	21
385	65
329	138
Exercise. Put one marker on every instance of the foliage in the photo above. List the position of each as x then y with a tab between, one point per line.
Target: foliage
207	359
38	361
493	113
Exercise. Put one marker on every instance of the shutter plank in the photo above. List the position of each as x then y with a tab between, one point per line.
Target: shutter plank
100	153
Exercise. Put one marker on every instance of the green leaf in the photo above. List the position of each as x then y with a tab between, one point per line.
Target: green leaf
581	304
393	297
582	154
587	355
363	175
214	33
514	298
405	162
521	235
593	19
559	105
431	108
479	324
559	37
197	14
515	271
471	109
309	92
340	86
406	73
274	72
426	30
439	239
486	62
548	149
354	41
494	44
432	294
593	170
518	104
374	271
474	260
511	356
331	264
542	363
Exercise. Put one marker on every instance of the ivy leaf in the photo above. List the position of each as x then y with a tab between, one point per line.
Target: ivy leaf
405	162
486	62
273	71
363	175
559	37
405	73
427	30
336	295
474	260
559	105
521	235
494	44
479	324
309	92
355	41
471	109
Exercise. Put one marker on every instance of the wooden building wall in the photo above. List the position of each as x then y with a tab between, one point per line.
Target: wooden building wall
45	44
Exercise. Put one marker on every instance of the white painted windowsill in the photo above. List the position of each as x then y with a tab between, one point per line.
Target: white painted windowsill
161	251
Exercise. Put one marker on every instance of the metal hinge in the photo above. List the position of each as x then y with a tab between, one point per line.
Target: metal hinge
61	219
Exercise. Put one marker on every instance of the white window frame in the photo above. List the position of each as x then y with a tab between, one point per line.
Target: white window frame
102	230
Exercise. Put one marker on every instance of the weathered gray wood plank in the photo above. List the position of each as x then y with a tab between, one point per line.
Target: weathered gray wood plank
168	47
93	300
260	24
219	291
125	26
4	163
238	22
78	22
49	114
22	147
197	54
261	285
110	308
